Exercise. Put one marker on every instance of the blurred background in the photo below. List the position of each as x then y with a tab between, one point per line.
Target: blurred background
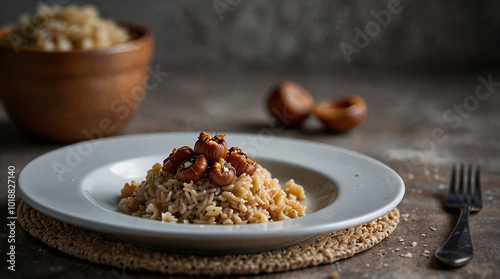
395	54
305	36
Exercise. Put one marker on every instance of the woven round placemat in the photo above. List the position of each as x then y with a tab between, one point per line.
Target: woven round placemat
105	249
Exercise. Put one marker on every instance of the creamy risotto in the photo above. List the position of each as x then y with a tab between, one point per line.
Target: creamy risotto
249	197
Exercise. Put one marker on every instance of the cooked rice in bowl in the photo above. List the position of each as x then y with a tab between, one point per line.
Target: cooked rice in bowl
59	28
249	199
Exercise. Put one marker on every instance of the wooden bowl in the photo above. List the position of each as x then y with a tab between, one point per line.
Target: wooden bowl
75	95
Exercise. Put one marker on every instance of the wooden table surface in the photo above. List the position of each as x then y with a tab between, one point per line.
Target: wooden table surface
418	124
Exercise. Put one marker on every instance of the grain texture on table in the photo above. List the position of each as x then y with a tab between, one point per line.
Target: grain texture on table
418	124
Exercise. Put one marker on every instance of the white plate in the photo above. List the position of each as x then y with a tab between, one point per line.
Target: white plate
80	184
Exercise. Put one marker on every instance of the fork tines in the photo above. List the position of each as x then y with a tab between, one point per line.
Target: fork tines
473	198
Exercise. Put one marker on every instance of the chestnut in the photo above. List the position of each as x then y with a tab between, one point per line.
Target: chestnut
221	173
241	162
172	162
341	115
212	148
290	103
192	168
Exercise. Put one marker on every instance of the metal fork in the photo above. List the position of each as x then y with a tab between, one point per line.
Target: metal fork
457	250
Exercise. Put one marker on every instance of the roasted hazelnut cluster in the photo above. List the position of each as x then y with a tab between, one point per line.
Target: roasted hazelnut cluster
291	104
211	158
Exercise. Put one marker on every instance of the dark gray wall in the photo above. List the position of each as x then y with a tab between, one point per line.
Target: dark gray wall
308	35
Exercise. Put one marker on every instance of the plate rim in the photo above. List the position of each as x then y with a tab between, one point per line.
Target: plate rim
193	230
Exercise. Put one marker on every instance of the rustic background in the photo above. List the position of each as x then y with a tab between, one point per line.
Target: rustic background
306	35
216	60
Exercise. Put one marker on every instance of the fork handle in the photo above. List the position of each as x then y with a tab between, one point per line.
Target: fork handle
457	250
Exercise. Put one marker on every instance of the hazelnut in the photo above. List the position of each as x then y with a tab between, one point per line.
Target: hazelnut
172	162
192	168
212	148
241	162
221	173
341	115
290	103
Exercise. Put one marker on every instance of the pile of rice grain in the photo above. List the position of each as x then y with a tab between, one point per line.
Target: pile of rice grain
249	199
57	28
